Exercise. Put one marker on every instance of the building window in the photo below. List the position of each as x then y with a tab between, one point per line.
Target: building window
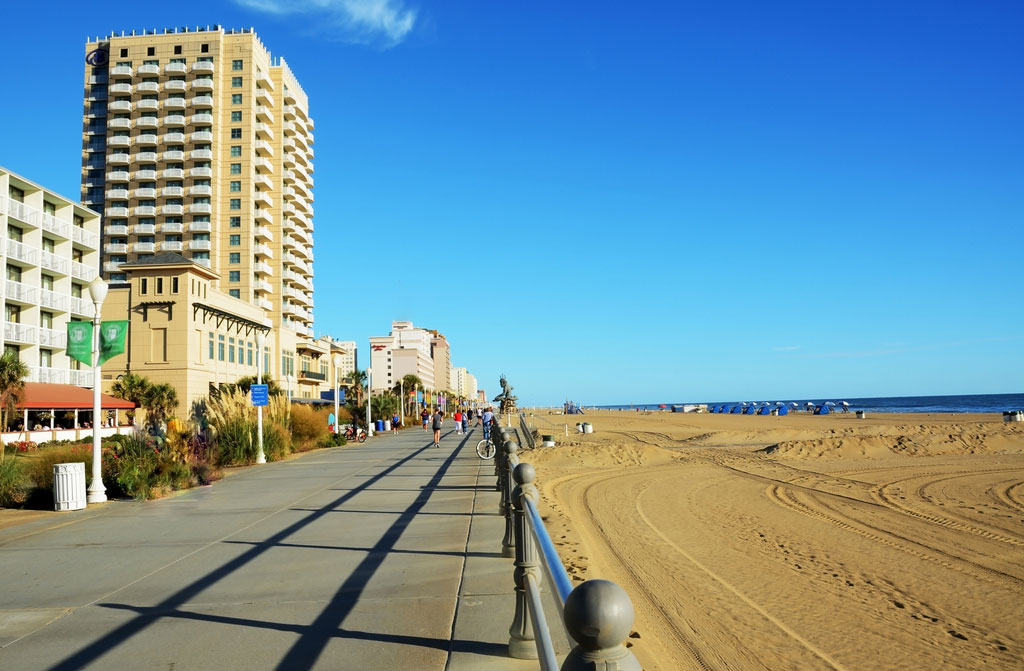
236	82
236	64
236	222
177	49
231	349
159	285
124	53
235	204
235	293
248	350
204	48
150	51
236	116
220	347
174	285
236	98
235	276
143	285
236	168
236	133
234	257
234	187
235	240
211	346
236	150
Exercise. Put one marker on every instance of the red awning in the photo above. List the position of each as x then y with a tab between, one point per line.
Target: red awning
45	396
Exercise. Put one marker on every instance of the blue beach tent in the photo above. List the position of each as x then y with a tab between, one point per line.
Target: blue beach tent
750	410
736	410
822	410
783	410
765	410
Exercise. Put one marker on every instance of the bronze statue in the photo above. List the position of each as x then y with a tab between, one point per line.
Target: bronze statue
506	401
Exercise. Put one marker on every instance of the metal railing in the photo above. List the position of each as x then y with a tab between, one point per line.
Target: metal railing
597	614
527	431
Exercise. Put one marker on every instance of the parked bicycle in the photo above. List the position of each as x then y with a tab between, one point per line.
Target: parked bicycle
485	449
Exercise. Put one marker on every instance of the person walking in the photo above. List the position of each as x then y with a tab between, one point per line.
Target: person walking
458	422
486	420
438	423
395	423
465	422
425	415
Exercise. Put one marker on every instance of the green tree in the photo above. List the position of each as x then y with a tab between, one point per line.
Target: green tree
133	388
384	406
160	402
357	382
13	372
244	383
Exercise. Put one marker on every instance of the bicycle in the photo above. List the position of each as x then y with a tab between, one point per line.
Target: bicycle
485	449
358	436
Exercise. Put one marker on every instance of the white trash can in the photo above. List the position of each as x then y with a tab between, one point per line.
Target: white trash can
588	427
387	424
69	486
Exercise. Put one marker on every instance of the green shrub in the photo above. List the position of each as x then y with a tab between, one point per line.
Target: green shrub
332	440
14	483
39	467
233	428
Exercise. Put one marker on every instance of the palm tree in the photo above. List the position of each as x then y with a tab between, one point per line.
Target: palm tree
408	384
13	372
160	402
244	383
357	378
131	387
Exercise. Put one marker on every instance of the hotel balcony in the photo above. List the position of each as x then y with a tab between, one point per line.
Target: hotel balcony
117	194
176	103
119	123
200	208
202	118
174	138
311	376
174	120
19	333
111	266
205	262
289	112
172	209
263	215
121	71
171	227
119	141
145	193
116	211
84	237
172	173
263	164
173	155
263	233
148	69
115	248
203	67
202	101
292	309
200	172
264	303
263	251
175	86
145	174
144	247
263	285
175	69
203	84
263	197
115	229
120	89
147	105
172	191
144	229
200	190
263	131
81	271
52	337
147	122
263	113
201	245
20	293
289	96
145	157
200	226
262	268
201	154
264	180
50	261
119	106
264	146
263	96
171	246
288	159
82	306
290	243
53	300
147	139
147	87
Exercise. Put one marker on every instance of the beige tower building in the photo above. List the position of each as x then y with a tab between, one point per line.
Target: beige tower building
198	142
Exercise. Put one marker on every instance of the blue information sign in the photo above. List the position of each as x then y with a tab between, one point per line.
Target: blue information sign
260	395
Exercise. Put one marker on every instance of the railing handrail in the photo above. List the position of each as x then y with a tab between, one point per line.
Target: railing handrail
549	555
527	433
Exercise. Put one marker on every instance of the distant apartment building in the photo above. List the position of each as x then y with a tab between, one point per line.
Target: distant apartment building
50	256
199	143
441	353
463	383
405	351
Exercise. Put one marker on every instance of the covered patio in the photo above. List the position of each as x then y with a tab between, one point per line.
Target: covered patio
64	412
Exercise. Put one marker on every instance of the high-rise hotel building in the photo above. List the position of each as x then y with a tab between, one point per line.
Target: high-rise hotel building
198	142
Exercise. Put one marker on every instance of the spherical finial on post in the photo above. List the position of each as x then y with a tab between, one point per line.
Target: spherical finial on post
599	615
525	474
511	447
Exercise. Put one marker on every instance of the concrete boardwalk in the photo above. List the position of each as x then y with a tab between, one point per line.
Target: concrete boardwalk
384	555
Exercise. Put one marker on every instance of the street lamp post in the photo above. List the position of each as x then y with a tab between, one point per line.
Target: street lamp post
401	402
289	380
369	391
337	391
97	492
261	458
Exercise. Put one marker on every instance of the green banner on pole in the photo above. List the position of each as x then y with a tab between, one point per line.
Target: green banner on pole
112	338
80	342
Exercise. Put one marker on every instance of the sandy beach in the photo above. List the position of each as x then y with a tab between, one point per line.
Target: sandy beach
798	542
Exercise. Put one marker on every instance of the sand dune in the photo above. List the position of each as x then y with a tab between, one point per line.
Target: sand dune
799	542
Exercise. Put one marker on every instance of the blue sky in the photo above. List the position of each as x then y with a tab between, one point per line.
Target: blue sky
636	202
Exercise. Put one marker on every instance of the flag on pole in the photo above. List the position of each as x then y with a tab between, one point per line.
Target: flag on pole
80	342
112	338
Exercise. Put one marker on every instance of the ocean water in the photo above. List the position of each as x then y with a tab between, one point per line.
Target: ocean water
965	403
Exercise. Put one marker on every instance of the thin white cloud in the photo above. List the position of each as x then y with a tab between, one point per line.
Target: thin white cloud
363	21
787	348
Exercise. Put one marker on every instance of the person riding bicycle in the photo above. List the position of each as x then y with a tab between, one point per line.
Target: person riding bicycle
487	418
